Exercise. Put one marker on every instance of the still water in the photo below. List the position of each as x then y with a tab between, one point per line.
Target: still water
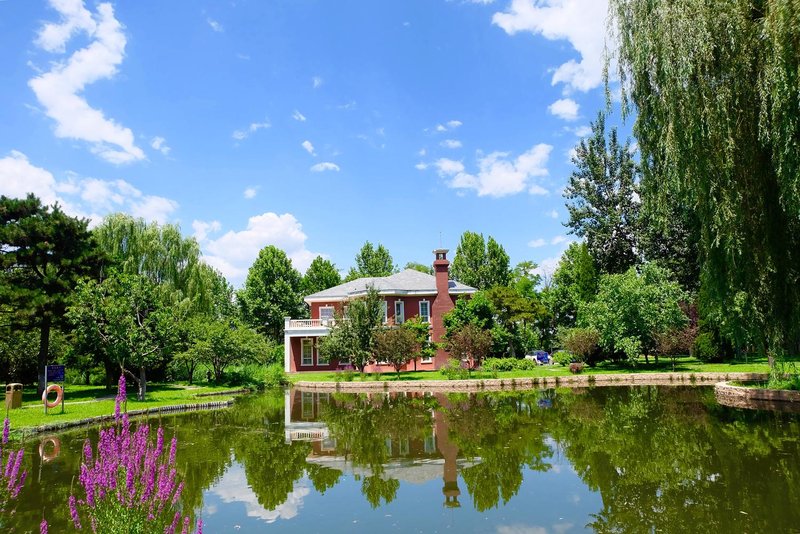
621	459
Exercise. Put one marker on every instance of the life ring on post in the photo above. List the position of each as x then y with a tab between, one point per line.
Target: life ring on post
49	457
59	395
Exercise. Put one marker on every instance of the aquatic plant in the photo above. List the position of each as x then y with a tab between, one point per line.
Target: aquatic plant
129	481
11	480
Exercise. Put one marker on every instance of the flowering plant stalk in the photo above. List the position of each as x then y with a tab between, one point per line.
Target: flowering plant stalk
129	482
11	480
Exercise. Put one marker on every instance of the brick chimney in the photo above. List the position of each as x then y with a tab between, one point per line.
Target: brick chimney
443	302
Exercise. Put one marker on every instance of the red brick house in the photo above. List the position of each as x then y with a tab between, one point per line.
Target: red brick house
406	294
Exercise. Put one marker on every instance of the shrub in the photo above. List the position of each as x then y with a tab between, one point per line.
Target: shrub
576	367
562	357
274	376
706	349
582	342
453	370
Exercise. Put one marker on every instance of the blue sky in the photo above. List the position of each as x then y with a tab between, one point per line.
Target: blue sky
308	124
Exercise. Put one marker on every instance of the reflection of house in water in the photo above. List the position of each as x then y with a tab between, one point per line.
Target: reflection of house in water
411	460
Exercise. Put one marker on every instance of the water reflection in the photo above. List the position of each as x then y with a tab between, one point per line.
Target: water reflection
605	459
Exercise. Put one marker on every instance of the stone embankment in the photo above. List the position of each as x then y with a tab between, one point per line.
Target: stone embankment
89	421
735	396
509	384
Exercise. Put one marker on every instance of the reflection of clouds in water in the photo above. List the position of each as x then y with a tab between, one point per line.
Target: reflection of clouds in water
233	488
558	528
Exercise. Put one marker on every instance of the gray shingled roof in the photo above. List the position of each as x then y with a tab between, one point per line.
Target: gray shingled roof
409	282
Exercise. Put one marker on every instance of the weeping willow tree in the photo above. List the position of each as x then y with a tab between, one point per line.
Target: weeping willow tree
714	85
161	254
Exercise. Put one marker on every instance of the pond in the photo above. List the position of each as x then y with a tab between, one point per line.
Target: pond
612	459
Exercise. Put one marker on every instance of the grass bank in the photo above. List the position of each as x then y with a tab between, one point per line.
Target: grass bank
90	401
684	364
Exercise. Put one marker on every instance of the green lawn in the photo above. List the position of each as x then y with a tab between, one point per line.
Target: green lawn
684	364
91	401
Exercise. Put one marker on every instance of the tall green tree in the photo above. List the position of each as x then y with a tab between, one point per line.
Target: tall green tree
574	283
603	203
479	263
159	252
421	267
372	261
43	255
352	337
272	291
321	274
125	322
714	88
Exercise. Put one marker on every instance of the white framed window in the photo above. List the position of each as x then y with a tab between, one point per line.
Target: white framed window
430	444
425	311
404	447
306	351
321	360
385	306
307	405
326	314
399	312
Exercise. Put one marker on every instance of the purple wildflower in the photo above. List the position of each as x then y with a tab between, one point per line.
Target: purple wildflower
19	485
6	429
185	529
43	527
172	448
87	451
73	512
199	526
171	528
15	470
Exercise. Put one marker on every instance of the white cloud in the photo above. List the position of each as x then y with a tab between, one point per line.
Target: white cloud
298	116
160	144
316	82
347	106
547	267
572	153
537	189
558	239
234	252
240	135
454	124
216	26
581	131
422	152
581	22
536	243
499	176
233	487
421	166
79	196
308	147
441	128
59	90
449	167
325	166
250	192
451	143
203	228
564	108
553	214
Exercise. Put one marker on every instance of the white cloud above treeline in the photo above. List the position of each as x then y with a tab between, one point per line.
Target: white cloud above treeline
564	108
79	196
60	90
325	166
498	174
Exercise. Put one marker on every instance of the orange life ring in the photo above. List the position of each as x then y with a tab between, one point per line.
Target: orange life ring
47	458
59	395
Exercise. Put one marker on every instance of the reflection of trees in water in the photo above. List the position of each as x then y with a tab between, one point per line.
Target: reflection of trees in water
362	425
662	462
506	433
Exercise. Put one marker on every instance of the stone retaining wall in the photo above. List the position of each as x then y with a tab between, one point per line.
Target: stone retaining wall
757	398
509	384
54	427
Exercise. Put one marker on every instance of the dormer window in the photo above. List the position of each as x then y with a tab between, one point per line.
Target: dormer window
440	256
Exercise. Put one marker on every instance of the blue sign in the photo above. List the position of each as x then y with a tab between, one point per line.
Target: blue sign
55	373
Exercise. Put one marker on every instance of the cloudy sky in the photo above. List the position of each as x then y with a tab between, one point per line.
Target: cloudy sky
308	124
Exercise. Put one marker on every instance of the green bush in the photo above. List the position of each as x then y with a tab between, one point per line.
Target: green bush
453	370
274	376
706	349
582	342
563	357
495	365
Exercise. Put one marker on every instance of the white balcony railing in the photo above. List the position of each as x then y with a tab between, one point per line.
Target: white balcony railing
308	323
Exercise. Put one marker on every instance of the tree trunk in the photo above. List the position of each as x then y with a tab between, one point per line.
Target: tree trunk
142	384
110	374
44	349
